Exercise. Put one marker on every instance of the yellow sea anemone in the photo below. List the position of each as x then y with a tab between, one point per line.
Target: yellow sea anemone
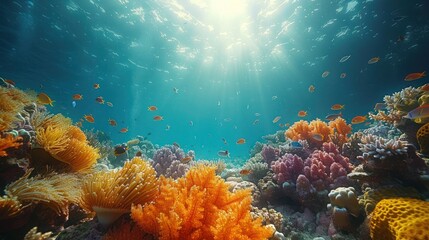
65	142
9	207
56	191
110	194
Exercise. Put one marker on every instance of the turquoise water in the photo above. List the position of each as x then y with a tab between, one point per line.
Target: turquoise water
229	60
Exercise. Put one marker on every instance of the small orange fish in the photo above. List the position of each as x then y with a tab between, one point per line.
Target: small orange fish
152	108
302	113
89	118
96	86
186	159
112	122
343	75
311	88
158	118
245	172
123	130
77	97
44	99
287	124
358	119
276	119
241	141
317	136
373	60
100	100
337	107
415	76
325	74
109	104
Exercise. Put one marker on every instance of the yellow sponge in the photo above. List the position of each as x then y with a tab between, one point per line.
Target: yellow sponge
400	218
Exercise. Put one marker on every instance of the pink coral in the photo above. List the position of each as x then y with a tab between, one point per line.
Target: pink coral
287	168
270	154
323	170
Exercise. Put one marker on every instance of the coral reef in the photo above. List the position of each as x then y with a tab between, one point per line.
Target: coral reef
317	132
269	216
400	218
55	191
167	162
34	235
9	141
65	142
371	197
423	139
345	207
111	193
256	194
12	102
308	181
270	154
258	168
199	206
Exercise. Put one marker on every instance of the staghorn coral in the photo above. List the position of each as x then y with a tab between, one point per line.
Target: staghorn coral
398	105
199	206
401	219
34	235
9	141
55	191
111	193
422	139
375	147
65	142
371	197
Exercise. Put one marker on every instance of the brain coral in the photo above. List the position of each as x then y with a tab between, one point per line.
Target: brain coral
400	218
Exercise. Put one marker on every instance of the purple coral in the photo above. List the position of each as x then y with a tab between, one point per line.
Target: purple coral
287	168
323	170
270	154
167	162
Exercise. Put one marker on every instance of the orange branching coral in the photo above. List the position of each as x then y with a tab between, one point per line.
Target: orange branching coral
56	191
319	127
199	206
422	138
400	218
66	143
9	142
341	130
311	132
298	131
110	194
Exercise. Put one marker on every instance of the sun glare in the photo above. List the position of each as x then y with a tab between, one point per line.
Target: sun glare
228	9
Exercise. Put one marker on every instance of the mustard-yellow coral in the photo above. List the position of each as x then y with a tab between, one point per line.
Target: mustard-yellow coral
111	193
199	206
9	207
400	219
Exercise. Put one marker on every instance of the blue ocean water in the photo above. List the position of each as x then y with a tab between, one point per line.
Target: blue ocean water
214	69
